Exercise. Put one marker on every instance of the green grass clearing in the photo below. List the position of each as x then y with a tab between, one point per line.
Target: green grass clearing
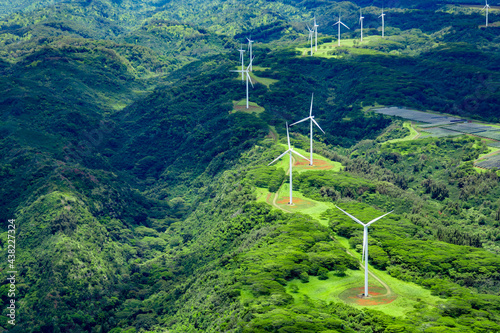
301	165
262	80
412	136
302	204
347	44
409	294
240	106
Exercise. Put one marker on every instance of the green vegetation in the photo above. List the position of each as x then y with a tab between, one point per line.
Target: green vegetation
141	191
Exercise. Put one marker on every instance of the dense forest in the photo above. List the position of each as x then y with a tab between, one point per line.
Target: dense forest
137	190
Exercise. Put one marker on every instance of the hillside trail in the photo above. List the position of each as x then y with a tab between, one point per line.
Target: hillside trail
273	135
416	135
278	191
387	288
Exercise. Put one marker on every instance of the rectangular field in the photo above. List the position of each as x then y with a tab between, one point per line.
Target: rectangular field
419	116
490	162
470	128
438	132
495	135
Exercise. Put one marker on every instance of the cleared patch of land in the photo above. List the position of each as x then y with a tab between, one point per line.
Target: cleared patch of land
301	165
262	80
412	136
242	107
332	50
378	296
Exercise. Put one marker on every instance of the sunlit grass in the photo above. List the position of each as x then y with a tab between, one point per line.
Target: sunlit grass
409	294
262	80
348	43
240	106
301	165
412	136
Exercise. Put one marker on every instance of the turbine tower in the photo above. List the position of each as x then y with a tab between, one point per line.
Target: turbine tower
250	41
242	61
365	243
487	7
339	23
315	28
310	37
246	71
290	151
361	18
383	22
311	117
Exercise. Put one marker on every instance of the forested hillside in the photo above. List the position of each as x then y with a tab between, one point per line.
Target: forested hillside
140	189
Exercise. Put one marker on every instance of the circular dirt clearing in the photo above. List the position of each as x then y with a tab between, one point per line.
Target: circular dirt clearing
297	203
318	165
377	296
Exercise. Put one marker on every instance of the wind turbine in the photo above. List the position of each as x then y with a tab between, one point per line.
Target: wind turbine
242	61
250	41
290	150
246	71
383	22
310	37
339	23
311	117
361	18
315	28
365	243
487	7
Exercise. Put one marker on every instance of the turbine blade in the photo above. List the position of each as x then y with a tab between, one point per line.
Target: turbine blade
311	110
352	217
279	157
300	121
314	121
248	78
288	137
378	218
345	25
251	62
293	151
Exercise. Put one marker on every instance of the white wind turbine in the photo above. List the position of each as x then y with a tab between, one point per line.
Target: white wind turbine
339	23
487	7
310	37
250	41
246	71
361	18
290	150
311	117
383	22
315	28
365	243
242	62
